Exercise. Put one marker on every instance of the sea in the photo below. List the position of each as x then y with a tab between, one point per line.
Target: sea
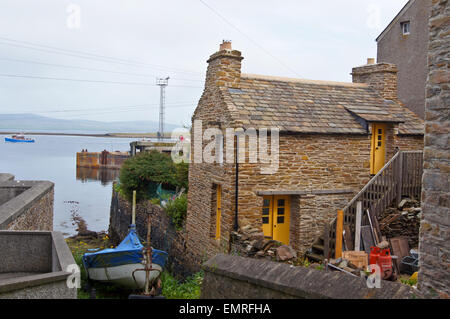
80	193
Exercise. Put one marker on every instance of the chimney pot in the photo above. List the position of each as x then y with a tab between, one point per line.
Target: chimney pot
370	61
225	45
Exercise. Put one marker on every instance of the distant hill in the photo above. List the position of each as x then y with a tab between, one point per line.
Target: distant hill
37	123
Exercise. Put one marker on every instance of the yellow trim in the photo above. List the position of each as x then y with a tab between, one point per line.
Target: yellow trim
218	210
377	148
339	234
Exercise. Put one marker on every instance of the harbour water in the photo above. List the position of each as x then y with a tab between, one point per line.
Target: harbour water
82	193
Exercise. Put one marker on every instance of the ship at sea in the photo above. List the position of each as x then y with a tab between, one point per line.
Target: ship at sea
19	138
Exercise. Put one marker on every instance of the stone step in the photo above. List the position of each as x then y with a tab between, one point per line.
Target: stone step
318	247
315	257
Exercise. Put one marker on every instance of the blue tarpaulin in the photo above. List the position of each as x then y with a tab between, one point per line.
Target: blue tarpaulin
129	251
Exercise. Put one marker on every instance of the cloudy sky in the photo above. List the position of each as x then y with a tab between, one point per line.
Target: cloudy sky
100	59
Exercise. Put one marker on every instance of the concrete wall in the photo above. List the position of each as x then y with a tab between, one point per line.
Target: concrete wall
234	277
35	264
6	177
26	205
409	53
8	193
164	236
105	159
434	242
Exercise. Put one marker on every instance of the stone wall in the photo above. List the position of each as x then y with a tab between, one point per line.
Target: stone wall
37	217
28	206
327	163
409	142
164	235
434	244
233	277
315	212
308	163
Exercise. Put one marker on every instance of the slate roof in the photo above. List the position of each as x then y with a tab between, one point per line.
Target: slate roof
308	106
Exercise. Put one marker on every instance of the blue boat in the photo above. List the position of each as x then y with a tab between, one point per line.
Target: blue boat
118	265
18	139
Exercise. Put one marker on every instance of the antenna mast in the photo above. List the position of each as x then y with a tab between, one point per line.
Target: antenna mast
162	82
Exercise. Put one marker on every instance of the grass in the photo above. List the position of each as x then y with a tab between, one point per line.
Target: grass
189	289
171	287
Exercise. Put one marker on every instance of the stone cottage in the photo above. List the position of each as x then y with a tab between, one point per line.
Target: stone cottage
332	137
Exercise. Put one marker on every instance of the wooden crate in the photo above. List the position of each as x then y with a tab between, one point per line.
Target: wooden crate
359	258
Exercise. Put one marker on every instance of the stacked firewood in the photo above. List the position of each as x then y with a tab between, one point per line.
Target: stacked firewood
402	221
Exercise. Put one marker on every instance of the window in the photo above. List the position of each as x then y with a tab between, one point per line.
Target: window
406	26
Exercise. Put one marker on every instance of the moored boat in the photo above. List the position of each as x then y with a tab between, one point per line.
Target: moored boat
19	138
118	265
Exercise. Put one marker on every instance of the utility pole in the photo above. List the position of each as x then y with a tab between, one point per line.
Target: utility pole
162	84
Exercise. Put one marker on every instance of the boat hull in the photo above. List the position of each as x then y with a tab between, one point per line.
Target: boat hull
117	265
123	275
12	140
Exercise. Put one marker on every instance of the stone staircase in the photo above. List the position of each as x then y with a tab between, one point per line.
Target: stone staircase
317	250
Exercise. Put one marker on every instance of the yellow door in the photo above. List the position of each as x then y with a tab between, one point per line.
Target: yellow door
218	210
281	214
378	149
276	217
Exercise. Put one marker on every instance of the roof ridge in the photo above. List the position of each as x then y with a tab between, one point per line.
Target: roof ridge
296	80
397	16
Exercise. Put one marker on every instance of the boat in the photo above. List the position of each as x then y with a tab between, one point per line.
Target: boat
120	265
19	138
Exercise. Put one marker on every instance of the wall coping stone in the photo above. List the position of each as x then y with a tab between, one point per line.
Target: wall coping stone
302	282
13	208
5	177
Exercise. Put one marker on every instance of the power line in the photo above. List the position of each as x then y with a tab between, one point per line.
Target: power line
69	110
120	111
88	69
87	55
249	38
110	112
90	81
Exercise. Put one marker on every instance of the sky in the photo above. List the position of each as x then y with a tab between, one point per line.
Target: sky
99	60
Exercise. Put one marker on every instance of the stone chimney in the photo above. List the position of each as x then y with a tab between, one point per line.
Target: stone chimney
224	67
381	77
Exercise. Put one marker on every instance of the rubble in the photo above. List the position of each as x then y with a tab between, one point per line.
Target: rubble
285	253
249	241
403	221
